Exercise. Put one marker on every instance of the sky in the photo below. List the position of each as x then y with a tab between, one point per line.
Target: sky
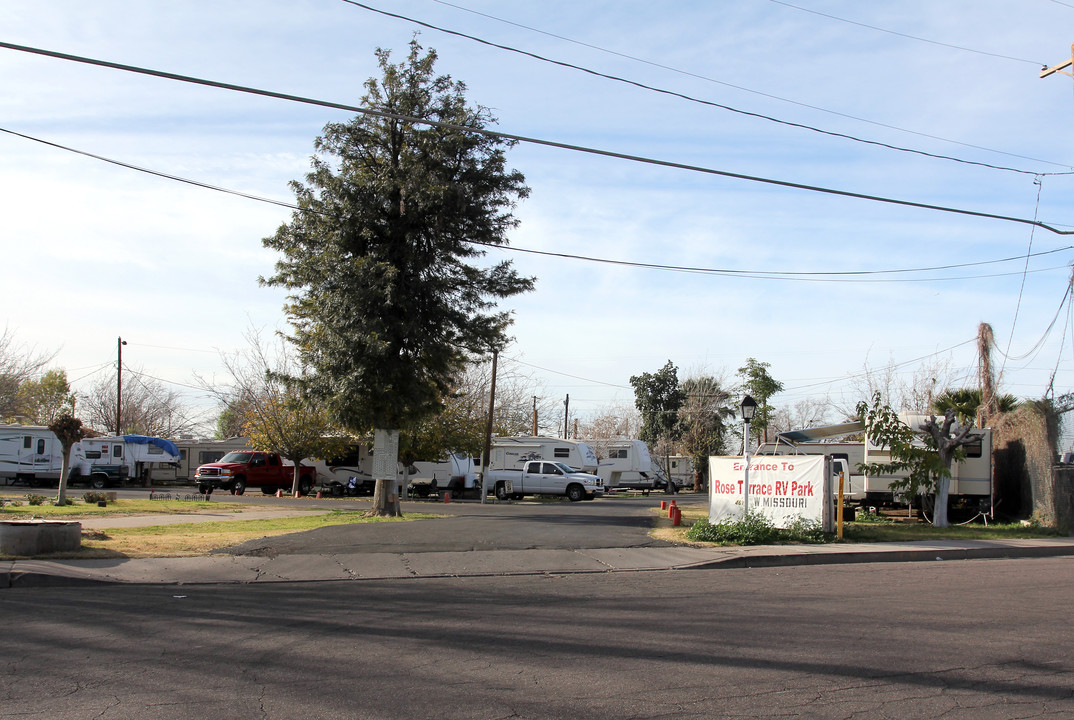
731	247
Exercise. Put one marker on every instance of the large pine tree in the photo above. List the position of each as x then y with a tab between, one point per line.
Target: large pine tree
388	297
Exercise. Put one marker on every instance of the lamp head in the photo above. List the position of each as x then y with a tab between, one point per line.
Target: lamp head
748	406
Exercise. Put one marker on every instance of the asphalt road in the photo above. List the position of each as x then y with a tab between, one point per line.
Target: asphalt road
963	640
608	522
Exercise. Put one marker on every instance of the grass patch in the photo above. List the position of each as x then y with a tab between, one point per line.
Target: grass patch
866	532
76	508
197	538
908	532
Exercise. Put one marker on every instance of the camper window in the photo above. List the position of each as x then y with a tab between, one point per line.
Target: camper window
974	449
561	452
117	451
40	446
93	454
27	442
154	450
618	453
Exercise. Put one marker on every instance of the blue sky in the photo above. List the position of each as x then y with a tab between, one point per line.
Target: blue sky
94	252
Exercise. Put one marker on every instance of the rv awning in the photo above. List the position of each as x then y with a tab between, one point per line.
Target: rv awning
166	445
819	433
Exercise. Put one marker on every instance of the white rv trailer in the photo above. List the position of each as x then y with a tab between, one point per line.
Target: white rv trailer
34	455
29	454
453	473
511	453
971	479
629	465
682	470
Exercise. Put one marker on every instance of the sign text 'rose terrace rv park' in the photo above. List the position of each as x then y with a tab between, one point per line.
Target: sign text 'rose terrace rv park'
782	488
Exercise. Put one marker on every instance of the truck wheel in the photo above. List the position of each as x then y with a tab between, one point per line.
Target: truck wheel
501	492
575	493
268	490
98	482
238	487
203	489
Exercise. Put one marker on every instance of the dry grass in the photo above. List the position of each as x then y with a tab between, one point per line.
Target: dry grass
199	538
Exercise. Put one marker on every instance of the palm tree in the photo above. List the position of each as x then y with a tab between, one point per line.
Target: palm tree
966	401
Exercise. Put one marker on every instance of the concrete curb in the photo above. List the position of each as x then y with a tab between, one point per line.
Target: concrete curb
247	569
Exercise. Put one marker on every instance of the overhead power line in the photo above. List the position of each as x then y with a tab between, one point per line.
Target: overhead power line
729	108
903	35
815	276
529	140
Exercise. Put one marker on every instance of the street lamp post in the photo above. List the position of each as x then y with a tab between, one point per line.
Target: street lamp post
748	407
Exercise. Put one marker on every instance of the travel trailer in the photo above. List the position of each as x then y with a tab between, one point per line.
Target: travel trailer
629	465
971	479
34	455
511	453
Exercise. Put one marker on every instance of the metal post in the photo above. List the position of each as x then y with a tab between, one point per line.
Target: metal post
746	452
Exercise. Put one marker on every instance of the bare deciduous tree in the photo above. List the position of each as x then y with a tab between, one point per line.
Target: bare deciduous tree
19	364
904	387
149	408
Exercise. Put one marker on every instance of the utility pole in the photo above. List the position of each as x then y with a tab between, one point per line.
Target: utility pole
534	416
120	342
492	410
566	413
1061	67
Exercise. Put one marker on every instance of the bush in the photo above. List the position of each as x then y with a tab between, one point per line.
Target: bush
93	497
32	499
866	516
755	529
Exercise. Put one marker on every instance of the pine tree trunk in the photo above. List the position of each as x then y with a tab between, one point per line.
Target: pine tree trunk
385	501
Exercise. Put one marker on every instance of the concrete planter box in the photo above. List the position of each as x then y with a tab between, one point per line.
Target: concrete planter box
33	537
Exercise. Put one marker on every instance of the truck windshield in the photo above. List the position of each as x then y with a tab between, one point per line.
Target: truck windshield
565	468
237	457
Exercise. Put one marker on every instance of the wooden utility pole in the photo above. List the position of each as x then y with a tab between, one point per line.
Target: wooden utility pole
566	414
1063	67
120	342
492	410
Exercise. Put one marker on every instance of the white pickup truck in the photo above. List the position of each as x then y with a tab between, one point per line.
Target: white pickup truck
543	477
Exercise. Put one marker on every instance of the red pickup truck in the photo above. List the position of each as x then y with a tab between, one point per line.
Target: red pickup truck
241	469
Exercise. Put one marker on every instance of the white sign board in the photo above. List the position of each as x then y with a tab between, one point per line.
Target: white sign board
385	454
782	488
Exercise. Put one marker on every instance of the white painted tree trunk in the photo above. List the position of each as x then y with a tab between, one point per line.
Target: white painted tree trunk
943	492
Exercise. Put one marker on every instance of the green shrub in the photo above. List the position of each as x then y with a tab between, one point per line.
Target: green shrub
93	497
865	516
32	499
755	529
805	530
